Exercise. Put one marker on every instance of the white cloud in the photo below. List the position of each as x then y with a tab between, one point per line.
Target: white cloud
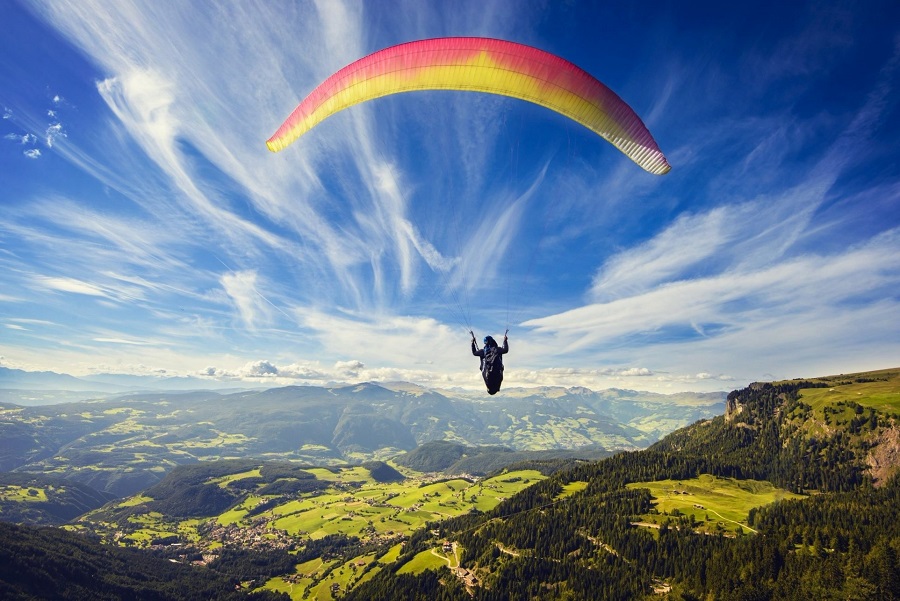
160	82
143	101
792	312
382	340
304	371
746	281
114	239
33	153
633	378
69	285
349	368
259	369
40	322
53	133
483	253
124	341
254	309
635	371
22	139
670	255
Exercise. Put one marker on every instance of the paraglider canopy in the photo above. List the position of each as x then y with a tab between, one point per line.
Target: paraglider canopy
480	65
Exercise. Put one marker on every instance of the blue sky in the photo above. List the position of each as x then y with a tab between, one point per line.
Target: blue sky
145	228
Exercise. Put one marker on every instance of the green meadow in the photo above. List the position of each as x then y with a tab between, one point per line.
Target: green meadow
152	525
135	501
239	511
316	579
715	504
373	509
851	402
226	480
353	504
426	560
878	390
22	493
572	488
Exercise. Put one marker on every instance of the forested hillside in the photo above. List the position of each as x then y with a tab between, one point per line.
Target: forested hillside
580	533
44	500
50	563
457	458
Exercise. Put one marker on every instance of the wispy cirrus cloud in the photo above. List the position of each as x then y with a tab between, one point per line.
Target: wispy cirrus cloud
41	131
794	307
242	288
64	284
157	79
124	341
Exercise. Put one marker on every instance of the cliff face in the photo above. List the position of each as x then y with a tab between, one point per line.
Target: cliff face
884	457
733	408
740	400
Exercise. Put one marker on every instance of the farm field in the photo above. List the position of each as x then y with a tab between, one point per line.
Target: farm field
318	579
381	511
392	508
350	502
714	504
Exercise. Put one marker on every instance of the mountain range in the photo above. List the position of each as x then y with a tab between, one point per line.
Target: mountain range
28	387
126	443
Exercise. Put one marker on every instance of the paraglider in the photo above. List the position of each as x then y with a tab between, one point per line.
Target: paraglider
491	361
479	65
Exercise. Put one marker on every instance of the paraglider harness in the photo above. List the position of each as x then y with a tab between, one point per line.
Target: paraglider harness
491	364
492	358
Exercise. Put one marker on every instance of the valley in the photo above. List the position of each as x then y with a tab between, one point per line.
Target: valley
351	510
776	485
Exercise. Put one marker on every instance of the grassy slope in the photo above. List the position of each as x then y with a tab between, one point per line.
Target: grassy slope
711	500
879	390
